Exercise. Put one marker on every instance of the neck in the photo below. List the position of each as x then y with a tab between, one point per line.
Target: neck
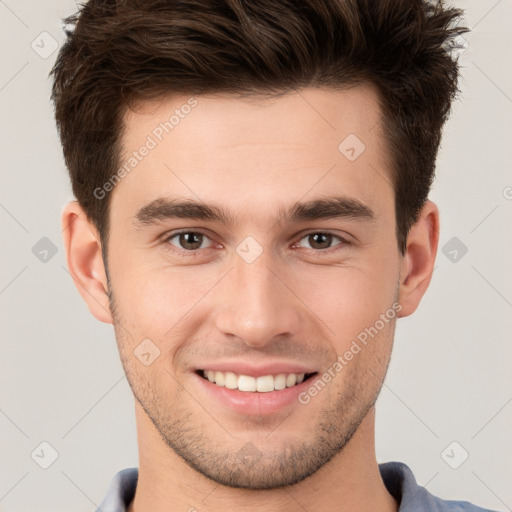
349	481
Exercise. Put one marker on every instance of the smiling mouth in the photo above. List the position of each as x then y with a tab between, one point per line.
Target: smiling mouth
248	384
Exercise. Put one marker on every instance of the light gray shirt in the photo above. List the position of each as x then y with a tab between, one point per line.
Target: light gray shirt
397	477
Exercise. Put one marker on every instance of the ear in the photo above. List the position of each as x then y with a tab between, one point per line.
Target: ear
85	263
418	262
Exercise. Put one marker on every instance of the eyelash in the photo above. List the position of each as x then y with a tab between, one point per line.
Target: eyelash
343	242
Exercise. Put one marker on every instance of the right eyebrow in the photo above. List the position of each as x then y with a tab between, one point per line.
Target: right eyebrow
163	208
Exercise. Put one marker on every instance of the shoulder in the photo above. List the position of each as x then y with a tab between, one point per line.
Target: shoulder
400	482
120	491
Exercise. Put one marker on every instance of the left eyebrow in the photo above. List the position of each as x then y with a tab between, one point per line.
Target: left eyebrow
317	209
330	208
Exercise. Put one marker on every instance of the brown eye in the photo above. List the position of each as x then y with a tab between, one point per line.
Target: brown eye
188	240
321	241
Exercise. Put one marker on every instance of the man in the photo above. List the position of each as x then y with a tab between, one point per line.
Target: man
252	216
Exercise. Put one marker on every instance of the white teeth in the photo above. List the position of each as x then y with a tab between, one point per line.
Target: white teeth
291	380
280	381
263	384
219	378
230	380
246	383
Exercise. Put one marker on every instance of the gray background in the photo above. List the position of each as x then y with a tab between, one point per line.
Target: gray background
449	378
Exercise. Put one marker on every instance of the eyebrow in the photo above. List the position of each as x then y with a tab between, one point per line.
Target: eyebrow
318	209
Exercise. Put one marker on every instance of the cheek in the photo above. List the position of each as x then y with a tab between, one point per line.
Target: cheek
155	302
348	299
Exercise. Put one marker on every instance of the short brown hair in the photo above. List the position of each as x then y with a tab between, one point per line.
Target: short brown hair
125	50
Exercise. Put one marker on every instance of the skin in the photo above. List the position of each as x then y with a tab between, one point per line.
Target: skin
293	303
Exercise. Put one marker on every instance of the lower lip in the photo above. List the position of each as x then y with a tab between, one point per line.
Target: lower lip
254	403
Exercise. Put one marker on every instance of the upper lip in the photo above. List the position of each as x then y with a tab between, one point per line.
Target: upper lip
254	370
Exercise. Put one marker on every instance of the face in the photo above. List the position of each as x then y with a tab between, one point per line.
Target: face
282	264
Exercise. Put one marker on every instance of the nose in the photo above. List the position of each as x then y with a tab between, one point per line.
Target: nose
256	303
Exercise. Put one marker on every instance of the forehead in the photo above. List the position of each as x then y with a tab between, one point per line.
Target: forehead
257	149
300	116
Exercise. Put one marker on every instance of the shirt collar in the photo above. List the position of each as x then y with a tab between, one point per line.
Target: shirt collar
397	477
